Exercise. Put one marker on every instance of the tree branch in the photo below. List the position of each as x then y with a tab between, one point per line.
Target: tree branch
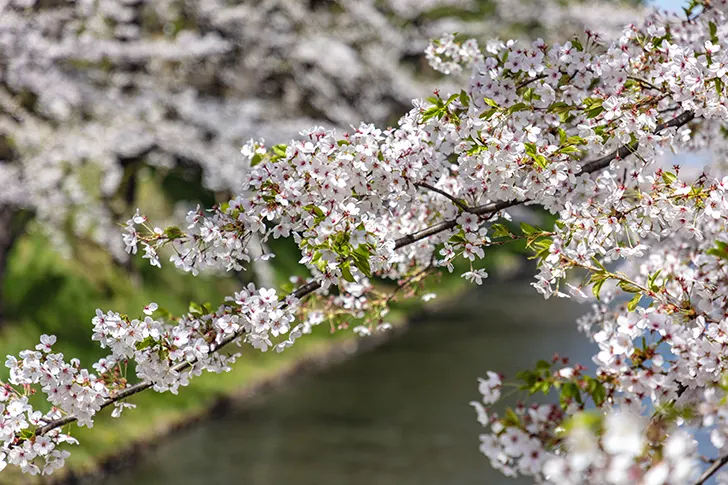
595	165
301	292
401	242
424	233
717	465
452	199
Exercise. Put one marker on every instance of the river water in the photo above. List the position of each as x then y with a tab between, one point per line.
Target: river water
397	415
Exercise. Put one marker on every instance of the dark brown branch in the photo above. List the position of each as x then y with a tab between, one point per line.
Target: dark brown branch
595	165
626	150
452	199
645	83
308	288
424	233
525	83
301	292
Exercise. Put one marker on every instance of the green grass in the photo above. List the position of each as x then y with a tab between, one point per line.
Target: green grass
46	293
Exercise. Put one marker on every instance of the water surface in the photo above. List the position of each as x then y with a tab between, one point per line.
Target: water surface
397	415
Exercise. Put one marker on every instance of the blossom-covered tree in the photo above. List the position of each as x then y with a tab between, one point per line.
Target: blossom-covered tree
577	128
93	91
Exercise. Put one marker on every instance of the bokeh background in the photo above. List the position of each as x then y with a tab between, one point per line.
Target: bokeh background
110	105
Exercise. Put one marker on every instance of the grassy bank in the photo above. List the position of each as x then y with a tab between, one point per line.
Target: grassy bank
45	293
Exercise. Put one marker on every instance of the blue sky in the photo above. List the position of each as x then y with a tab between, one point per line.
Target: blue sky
674	5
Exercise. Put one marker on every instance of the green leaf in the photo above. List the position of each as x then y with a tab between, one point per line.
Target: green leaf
597	288
634	302
568	149
486	115
542	248
431	113
719	251
596	390
723	383
528	95
464	99
562	136
315	210
173	232
543	366
458	237
543	386
499	230
280	149
361	260
591	420
196	308
490	102
346	272
529	378
528	229
668	177
541	161
576	140
163	354
511	418
560	107
321	264
651	281
257	158
593	102
629	287
145	344
569	392
594	112
517	107
566	117
597	280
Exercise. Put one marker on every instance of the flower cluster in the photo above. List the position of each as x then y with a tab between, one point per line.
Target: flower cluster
163	354
447	56
578	128
660	318
92	92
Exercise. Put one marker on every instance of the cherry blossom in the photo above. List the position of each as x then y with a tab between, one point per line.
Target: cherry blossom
579	128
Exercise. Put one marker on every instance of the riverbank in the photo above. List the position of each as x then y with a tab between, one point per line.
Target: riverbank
310	360
247	381
395	414
51	295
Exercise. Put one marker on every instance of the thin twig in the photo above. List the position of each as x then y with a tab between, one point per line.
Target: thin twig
645	83
525	83
712	470
452	199
301	292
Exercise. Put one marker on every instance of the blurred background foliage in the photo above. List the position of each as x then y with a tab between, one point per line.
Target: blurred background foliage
53	275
